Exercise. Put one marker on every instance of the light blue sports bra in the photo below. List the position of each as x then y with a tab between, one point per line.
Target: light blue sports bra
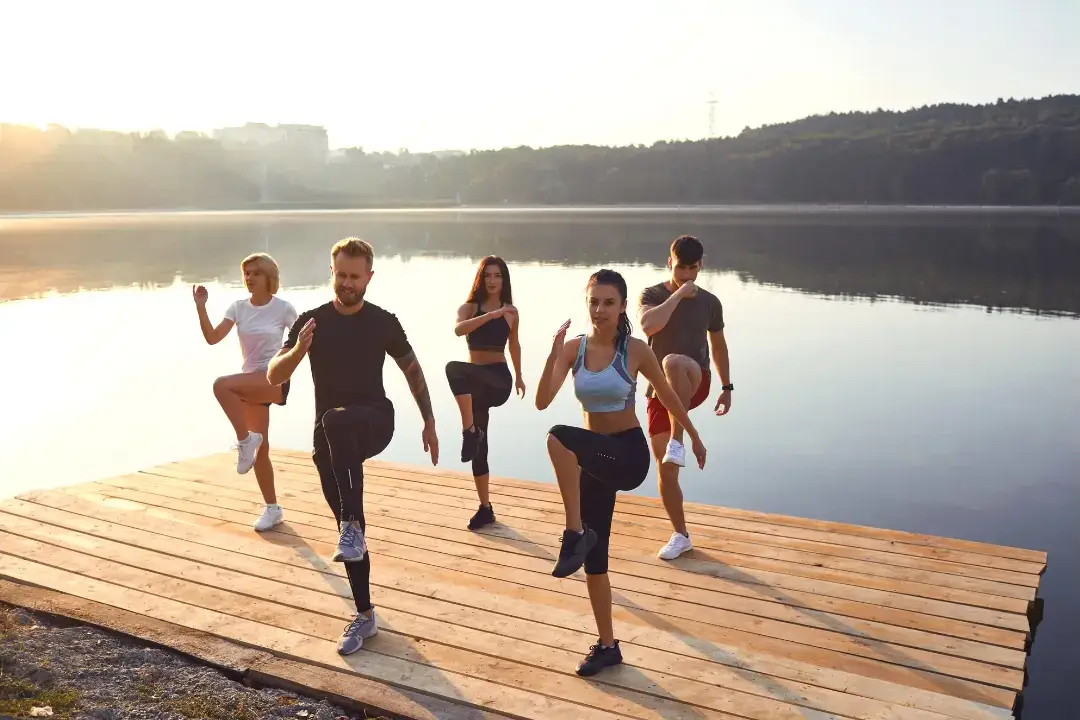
609	390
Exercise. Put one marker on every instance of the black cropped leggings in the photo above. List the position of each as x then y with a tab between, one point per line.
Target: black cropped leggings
609	463
344	438
490	386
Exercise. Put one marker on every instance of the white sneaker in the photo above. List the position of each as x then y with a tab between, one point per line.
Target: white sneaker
675	453
676	546
270	517
246	451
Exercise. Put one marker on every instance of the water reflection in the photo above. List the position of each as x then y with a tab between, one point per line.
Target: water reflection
1021	265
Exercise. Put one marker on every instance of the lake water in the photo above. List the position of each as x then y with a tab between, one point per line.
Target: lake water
913	374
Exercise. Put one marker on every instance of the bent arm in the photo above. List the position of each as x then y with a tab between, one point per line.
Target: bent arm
466	323
284	364
649	367
719	350
414	374
655	317
213	335
554	375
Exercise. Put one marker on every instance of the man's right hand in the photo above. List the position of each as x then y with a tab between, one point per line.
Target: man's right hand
200	294
687	289
303	340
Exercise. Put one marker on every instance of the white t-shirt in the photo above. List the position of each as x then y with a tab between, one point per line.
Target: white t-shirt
261	329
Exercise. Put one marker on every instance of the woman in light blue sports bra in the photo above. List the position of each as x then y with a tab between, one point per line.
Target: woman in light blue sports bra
610	453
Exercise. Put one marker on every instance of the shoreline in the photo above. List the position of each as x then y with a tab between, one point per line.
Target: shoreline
724	210
62	668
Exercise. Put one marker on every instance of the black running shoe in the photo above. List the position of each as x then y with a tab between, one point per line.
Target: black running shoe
599	657
470	443
575	546
484	516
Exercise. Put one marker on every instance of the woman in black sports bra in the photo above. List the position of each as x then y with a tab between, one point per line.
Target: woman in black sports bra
490	322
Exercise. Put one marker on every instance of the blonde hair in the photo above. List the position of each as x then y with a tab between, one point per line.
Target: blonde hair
354	247
268	266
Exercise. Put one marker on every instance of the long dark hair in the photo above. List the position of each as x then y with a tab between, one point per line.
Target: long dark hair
476	294
610	277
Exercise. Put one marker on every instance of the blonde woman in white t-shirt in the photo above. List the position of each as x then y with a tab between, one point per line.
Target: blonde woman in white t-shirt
262	321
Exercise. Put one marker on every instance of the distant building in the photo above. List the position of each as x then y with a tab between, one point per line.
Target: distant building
308	141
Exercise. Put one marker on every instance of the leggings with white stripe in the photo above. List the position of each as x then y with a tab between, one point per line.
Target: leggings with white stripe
344	438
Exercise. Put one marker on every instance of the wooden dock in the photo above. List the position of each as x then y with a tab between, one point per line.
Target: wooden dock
769	617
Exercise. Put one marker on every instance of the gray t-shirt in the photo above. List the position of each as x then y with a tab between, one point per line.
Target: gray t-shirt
686	333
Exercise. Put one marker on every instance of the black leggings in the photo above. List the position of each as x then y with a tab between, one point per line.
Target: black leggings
609	463
344	438
490	386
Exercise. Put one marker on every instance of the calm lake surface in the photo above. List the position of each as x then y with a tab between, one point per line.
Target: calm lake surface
919	374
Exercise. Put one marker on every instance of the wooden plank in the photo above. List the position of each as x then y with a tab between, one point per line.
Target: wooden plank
766	583
402	635
258	547
735	541
859	560
894	553
405	546
448	684
1038	557
872	659
901	537
970	597
386	516
262	668
748	619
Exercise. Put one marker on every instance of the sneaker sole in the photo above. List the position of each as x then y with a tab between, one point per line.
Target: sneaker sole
676	555
588	546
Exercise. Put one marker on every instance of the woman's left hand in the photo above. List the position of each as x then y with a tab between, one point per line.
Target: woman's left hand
520	385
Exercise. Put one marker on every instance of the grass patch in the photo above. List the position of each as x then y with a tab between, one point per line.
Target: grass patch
8	624
18	696
204	706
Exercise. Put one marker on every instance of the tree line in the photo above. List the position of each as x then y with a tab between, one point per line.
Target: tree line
1011	152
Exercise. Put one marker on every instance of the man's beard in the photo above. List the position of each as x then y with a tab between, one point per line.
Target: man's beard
349	299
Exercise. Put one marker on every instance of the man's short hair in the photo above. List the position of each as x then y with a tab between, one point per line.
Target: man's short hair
354	247
687	249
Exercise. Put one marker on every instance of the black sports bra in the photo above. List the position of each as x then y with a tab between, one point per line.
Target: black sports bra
490	336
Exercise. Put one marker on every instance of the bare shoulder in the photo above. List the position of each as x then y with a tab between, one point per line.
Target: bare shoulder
570	347
466	311
637	349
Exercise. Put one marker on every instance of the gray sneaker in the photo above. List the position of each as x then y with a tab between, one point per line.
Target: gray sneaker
351	544
352	639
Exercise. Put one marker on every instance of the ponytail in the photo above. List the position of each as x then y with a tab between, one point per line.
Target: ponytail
625	328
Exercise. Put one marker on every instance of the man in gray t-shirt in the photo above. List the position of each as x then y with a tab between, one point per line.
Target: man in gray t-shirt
682	322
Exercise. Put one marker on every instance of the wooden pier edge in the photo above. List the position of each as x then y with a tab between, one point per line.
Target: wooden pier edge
250	666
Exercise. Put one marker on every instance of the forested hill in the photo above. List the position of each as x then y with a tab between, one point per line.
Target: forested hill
1014	152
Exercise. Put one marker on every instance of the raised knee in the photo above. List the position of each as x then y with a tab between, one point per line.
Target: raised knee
222	384
673	363
332	418
554	443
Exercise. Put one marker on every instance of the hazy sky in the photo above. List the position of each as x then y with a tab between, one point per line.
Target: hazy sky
470	73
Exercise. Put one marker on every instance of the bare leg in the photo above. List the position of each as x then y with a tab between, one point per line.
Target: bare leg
482	488
599	587
565	464
670	492
684	375
232	391
258	420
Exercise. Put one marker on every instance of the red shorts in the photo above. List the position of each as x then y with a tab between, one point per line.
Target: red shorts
660	421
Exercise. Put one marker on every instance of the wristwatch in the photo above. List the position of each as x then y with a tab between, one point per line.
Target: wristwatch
729	386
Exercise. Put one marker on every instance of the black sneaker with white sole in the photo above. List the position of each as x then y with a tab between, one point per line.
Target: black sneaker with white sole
599	657
575	546
485	515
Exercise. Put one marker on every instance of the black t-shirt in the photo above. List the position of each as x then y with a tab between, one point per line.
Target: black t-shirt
347	354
